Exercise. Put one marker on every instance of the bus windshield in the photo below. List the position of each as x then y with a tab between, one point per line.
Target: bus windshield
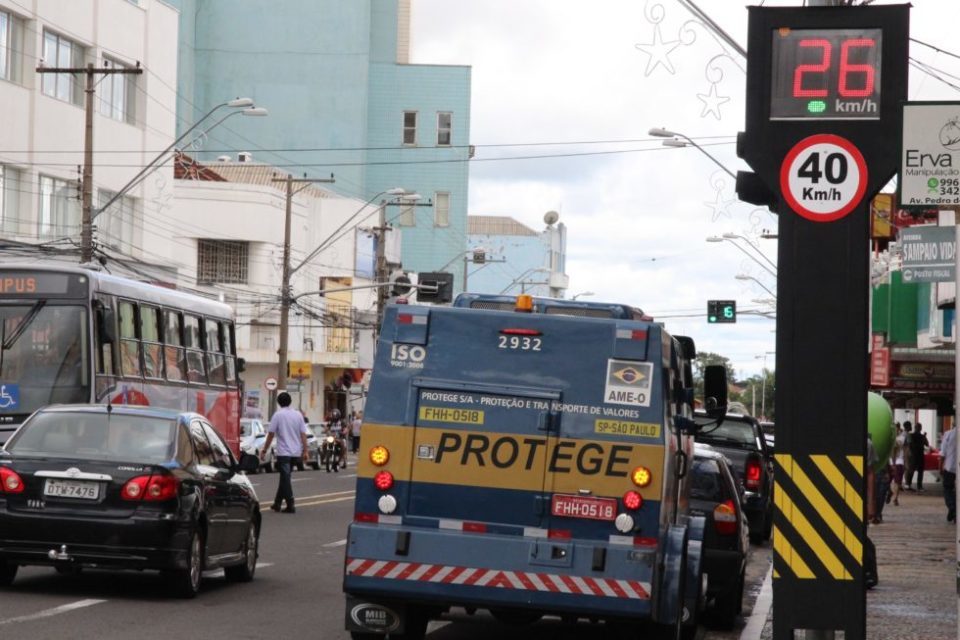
44	355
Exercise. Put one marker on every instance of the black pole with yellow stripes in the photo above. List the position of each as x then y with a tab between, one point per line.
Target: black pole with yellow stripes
824	93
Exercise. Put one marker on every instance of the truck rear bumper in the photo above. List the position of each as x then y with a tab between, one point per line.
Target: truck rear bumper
450	568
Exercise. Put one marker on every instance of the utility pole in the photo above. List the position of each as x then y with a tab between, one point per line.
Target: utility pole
381	274
285	296
86	229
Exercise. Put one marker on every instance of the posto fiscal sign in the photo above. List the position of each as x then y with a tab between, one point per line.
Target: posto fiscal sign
823	177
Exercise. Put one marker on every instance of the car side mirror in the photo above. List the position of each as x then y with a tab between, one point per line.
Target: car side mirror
715	391
248	463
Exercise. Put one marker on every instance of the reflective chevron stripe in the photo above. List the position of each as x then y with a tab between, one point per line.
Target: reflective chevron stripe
496	578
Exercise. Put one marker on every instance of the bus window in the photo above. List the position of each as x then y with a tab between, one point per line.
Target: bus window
129	345
150	335
230	362
214	353
104	351
173	353
191	340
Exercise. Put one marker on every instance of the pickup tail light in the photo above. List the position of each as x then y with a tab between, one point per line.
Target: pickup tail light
725	518
153	488
751	474
10	481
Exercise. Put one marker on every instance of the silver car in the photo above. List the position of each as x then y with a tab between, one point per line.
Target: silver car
252	436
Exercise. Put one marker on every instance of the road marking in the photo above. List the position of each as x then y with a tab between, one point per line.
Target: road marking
47	613
761	609
311	504
338	543
261	565
267	503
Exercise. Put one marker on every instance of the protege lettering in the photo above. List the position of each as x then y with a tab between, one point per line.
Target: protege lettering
505	452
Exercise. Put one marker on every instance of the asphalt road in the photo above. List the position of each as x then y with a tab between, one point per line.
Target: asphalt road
296	592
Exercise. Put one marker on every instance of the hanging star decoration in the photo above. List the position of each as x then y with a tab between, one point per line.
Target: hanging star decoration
719	206
711	102
659	52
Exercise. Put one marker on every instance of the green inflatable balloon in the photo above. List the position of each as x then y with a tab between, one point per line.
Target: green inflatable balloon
880	426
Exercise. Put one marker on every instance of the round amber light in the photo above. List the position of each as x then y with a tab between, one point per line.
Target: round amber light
379	455
641	476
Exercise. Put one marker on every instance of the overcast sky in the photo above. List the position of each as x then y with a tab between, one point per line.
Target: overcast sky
638	214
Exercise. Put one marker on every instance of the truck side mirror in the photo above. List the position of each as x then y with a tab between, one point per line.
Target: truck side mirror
715	391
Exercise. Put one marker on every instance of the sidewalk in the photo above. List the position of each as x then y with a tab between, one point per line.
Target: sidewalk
916	598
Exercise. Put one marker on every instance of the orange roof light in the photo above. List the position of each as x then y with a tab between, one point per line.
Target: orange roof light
524	303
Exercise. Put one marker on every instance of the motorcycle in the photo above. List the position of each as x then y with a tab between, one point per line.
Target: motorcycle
332	453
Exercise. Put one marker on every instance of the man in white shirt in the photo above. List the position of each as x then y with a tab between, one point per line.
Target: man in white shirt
290	430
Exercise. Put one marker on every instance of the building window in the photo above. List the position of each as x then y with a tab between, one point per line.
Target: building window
408	215
9	198
441	209
11	46
409	127
444	128
60	52
115	225
116	92
222	261
59	208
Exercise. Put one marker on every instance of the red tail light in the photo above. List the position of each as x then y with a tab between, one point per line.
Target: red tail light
725	518
632	500
751	475
155	488
383	480
10	482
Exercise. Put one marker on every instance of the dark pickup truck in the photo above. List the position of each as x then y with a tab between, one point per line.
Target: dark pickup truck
741	439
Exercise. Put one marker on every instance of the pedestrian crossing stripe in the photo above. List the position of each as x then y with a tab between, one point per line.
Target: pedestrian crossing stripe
818	520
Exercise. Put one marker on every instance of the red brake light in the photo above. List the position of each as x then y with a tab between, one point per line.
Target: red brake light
383	480
725	518
632	500
10	481
751	476
155	488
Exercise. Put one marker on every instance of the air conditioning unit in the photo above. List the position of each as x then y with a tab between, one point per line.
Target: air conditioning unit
244	156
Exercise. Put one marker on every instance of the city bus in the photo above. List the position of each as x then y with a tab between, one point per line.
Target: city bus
71	334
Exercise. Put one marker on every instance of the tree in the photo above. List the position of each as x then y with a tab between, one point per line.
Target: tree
700	363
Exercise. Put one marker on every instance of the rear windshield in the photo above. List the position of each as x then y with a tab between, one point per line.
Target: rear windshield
731	432
96	436
708	482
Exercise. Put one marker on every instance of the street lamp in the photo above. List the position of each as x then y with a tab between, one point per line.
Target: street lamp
763	386
248	110
743	276
582	293
724	238
660	132
733	236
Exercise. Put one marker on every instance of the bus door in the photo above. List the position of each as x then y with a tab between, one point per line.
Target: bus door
480	454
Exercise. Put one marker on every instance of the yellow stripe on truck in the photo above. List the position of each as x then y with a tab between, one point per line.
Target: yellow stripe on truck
511	461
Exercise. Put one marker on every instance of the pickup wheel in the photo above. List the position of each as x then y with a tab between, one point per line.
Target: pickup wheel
727	606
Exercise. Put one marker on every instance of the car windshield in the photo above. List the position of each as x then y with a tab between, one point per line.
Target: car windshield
247	428
96	436
44	356
735	432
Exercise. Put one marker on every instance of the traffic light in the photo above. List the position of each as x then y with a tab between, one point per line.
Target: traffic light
721	311
435	287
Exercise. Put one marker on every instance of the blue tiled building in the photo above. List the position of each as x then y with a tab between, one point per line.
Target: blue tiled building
343	99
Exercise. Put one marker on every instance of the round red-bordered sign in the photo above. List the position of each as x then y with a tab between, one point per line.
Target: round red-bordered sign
823	177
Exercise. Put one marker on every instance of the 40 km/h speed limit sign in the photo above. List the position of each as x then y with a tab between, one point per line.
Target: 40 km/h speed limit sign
823	177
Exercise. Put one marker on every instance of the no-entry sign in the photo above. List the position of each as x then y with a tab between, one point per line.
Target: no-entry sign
823	177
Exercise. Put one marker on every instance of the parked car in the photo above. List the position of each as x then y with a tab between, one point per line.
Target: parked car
253	442
313	452
715	494
740	438
126	487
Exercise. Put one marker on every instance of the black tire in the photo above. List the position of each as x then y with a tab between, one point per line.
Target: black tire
7	573
315	463
728	605
271	464
299	464
415	627
251	548
185	583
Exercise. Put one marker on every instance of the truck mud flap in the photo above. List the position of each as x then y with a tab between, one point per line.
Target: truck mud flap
365	616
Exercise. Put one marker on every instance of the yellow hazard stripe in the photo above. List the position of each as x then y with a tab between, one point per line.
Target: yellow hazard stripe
857	463
783	547
849	494
807	531
827	512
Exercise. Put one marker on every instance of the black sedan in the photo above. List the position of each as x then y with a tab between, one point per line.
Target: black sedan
126	488
715	495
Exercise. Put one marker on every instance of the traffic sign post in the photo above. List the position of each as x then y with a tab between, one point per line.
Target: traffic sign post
824	93
720	311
